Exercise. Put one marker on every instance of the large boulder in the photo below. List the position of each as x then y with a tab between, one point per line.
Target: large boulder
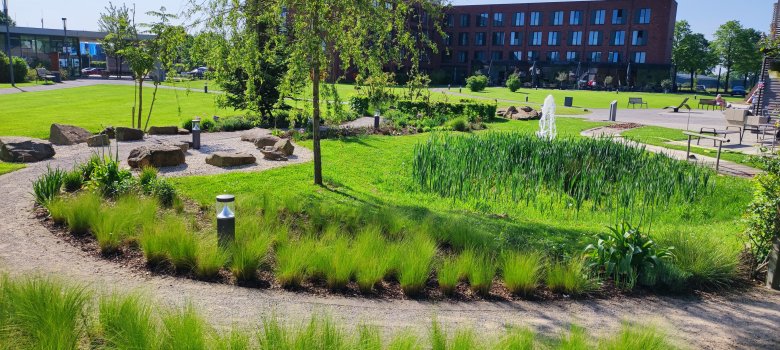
227	159
522	113
128	134
98	140
284	146
61	134
24	149
109	131
163	130
182	131
265	141
271	153
157	156
253	135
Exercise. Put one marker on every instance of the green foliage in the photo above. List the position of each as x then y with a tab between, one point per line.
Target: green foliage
126	322
108	178
416	255
47	187
633	337
666	84
458	124
169	241
20	69
626	255
570	277
514	83
373	252
522	272
72	181
633	180
210	259
250	248
234	124
701	261
165	192
83	213
477	83
763	213
121	222
147	178
448	276
517	339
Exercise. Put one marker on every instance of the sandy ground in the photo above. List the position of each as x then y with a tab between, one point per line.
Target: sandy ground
745	320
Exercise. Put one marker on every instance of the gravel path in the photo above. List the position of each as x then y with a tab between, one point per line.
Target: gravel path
748	320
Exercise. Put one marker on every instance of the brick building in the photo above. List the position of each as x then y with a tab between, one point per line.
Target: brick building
588	40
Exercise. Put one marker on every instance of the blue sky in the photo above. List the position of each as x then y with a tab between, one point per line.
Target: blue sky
704	15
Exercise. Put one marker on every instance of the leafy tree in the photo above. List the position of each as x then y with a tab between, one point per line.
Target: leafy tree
513	82
691	52
325	37
477	82
417	87
377	88
731	41
749	59
117	21
6	20
141	62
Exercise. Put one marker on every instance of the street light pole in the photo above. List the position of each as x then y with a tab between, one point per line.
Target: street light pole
64	44
8	43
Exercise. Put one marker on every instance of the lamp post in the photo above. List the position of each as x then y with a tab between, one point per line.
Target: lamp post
196	133
8	43
226	218
376	119
64	44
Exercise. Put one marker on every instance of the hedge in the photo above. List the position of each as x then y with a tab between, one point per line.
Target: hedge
20	69
473	110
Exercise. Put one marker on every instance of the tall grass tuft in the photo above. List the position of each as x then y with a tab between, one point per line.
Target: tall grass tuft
637	337
210	259
570	277
41	314
522	272
464	339
448	276
373	256
123	221
405	340
415	254
83	212
575	340
233	340
292	260
517	339
184	329
249	250
368	338
438	337
126	322
48	185
170	240
700	262
72	181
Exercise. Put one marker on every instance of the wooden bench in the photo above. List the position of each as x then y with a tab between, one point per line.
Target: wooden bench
706	103
44	74
633	101
720	141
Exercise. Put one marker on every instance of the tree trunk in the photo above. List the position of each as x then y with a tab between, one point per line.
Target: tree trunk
717	87
316	110
726	83
693	73
151	106
140	99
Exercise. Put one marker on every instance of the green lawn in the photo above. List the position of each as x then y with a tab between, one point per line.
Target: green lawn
21	85
660	136
98	106
586	98
6	168
375	171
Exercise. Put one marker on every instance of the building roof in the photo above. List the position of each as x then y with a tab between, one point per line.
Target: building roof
83	34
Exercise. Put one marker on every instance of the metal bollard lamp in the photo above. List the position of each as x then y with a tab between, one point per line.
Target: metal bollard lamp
226	218
376	119
196	133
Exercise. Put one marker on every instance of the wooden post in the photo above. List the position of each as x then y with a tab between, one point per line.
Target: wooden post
773	268
688	153
717	160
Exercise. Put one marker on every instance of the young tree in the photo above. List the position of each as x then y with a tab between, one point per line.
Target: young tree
731	40
167	46
118	23
691	53
352	35
141	62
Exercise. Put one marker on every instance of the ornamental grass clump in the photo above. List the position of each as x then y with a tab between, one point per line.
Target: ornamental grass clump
522	272
415	255
448	276
48	186
292	261
250	249
126	322
170	240
121	222
373	255
72	181
570	277
82	212
515	167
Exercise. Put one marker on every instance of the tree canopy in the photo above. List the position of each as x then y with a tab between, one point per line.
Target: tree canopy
737	49
691	52
4	20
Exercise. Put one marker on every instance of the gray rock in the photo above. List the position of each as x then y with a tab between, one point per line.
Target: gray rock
109	131
285	146
129	134
254	135
227	159
60	134
98	141
157	156
24	149
271	153
163	130
183	131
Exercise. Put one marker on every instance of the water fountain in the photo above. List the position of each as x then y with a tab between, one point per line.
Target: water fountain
547	128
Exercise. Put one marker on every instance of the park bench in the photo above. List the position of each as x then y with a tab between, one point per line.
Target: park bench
44	74
633	101
706	103
719	140
677	108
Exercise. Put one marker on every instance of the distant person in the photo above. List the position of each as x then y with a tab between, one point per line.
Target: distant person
720	102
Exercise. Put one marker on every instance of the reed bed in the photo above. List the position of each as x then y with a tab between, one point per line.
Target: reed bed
514	167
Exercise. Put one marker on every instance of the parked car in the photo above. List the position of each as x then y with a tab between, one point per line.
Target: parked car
701	88
738	90
92	71
198	72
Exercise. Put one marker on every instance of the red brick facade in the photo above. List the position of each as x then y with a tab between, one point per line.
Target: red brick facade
559	34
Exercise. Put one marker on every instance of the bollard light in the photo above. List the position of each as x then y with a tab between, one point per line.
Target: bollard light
196	133
376	119
205	87
226	218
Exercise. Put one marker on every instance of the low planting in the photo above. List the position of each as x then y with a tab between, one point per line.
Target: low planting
38	313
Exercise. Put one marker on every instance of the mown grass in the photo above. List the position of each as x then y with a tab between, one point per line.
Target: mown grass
6	168
660	136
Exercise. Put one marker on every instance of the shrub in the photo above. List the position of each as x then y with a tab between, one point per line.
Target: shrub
522	272
207	124
20	69
234	124
626	255
47	186
477	83
763	217
666	85
458	124
570	277
126	322
72	181
109	179
513	83
147	178
165	192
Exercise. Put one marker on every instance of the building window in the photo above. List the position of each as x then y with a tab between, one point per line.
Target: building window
449	21
479	39
619	37
576	38
557	18
594	38
598	17
643	16
479	56
552	38
448	39
533	55
517	55
462	56
464	20
553	56
482	19
463	39
497	55
518	20
639	57
639	38
613	57
516	38
575	17
536	38
536	18
571	56
498	38
618	17
498	19
595	56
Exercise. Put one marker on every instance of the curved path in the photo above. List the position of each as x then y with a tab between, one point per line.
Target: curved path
747	320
